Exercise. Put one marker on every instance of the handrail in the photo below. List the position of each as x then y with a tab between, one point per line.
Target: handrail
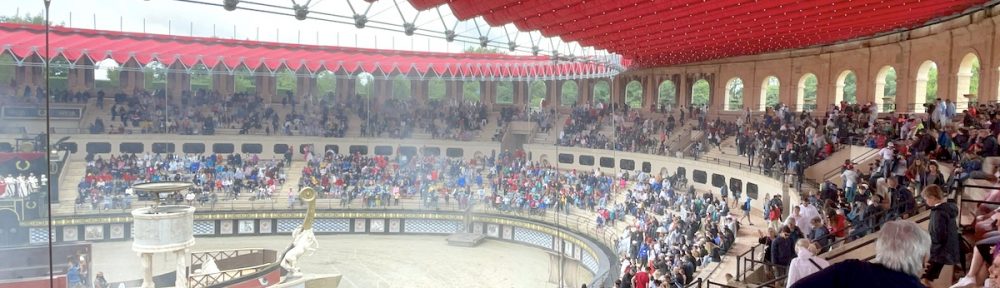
835	171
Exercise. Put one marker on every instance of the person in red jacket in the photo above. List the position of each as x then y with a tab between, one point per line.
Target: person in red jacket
641	278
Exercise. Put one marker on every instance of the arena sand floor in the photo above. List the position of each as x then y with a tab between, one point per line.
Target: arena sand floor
371	260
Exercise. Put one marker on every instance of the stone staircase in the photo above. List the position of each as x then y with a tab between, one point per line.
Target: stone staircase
76	169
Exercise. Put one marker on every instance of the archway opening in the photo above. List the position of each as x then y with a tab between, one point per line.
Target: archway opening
806	96
59	75
287	83
734	94
926	85
505	92
667	94
7	70
700	92
471	91
154	76
364	85
201	78
602	92
633	94
107	76
770	90
847	88
967	81
570	93
400	87
436	89
885	89
538	90
244	81
326	85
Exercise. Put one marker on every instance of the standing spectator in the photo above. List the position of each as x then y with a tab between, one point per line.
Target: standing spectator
805	263
746	211
782	248
943	229
641	279
100	282
74	278
899	255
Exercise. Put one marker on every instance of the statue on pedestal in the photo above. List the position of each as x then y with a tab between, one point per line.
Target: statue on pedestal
303	239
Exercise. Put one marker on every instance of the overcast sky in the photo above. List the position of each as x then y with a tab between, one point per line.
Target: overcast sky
180	18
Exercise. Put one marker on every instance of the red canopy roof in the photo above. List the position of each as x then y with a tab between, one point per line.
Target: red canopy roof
24	40
660	32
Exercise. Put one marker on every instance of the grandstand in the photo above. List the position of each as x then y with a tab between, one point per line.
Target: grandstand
632	149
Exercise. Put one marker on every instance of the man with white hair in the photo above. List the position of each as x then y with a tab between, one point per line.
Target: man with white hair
900	251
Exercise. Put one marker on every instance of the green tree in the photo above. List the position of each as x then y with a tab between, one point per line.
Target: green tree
505	92
470	91
809	93
570	93
326	84
889	92
201	78
974	82
287	82
538	91
771	93
7	66
700	92
244	81
155	76
735	91
364	84
932	82
851	88
436	89
602	92
633	94
484	50
667	94
27	18
400	87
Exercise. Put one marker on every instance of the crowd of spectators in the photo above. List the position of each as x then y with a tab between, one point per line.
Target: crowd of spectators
396	118
108	182
589	126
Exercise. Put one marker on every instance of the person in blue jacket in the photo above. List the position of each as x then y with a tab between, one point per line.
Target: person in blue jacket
900	251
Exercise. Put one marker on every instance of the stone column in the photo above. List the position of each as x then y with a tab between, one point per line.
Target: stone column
418	90
146	260
181	280
553	88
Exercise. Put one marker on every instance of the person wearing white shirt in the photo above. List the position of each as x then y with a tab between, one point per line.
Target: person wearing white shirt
806	214
805	264
850	183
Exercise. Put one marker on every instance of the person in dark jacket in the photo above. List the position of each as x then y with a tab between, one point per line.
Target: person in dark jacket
943	229
783	248
899	256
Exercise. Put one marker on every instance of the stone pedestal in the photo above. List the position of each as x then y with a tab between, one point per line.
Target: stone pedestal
163	229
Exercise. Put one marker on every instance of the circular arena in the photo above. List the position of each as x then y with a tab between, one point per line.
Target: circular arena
432	143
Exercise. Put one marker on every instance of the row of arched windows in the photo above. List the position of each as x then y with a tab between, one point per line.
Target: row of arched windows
107	72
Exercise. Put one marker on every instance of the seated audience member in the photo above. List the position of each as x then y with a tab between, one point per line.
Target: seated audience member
900	252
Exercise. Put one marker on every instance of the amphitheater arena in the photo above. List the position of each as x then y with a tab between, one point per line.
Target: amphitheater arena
572	162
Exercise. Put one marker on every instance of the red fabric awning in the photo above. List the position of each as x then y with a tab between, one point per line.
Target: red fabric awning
24	40
653	33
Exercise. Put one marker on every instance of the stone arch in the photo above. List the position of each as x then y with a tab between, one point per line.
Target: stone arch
364	84
286	82
633	94
570	93
734	94
770	92
885	89
806	92
846	88
201	78
968	78
926	85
